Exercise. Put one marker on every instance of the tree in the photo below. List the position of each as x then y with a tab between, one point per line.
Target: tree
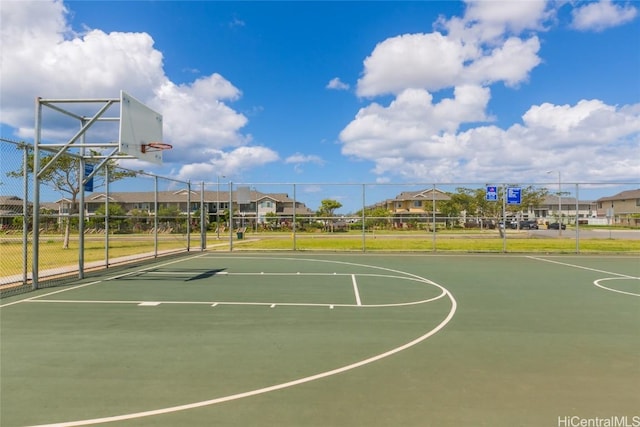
170	217
65	176
462	201
375	217
327	209
116	217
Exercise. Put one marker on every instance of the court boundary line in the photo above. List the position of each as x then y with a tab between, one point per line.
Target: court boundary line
287	384
582	267
596	282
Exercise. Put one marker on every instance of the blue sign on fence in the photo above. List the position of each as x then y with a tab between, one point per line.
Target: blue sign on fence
88	168
514	195
492	193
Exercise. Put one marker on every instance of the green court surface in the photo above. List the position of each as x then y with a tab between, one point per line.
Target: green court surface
329	340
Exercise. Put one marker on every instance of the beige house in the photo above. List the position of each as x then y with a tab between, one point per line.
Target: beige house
413	204
567	207
622	208
254	209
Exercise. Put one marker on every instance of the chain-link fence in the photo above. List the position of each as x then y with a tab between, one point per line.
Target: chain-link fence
118	225
130	215
466	217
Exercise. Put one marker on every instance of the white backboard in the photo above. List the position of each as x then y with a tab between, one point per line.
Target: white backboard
139	125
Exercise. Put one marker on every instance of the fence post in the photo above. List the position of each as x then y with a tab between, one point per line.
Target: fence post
230	216
203	225
189	216
36	195
294	218
577	220
364	238
25	211
433	218
155	219
106	216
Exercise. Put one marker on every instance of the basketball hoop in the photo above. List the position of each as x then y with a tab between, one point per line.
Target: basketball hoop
155	146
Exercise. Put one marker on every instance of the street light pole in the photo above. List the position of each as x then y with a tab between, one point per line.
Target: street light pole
218	206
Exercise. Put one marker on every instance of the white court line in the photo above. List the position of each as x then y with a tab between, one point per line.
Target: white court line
267	303
355	289
597	283
582	267
246	303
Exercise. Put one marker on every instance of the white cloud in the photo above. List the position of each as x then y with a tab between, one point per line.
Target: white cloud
197	118
420	61
299	159
601	15
304	158
410	124
477	49
511	62
485	21
231	163
337	84
588	136
416	138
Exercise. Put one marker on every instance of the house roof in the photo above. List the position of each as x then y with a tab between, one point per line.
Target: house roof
11	201
552	199
428	194
624	195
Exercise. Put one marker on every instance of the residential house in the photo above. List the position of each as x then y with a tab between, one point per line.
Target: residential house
253	208
622	208
10	207
413	204
564	207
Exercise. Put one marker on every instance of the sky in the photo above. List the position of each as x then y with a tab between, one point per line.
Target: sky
345	92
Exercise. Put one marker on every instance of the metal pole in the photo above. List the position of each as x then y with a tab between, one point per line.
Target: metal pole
25	211
36	195
364	239
559	206
218	207
293	224
230	216
189	216
81	173
106	216
255	190
203	226
577	221
504	218
155	219
433	218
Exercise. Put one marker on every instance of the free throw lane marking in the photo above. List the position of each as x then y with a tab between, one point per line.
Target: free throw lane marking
355	289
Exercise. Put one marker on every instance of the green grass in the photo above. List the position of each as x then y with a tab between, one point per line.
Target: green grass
53	256
443	242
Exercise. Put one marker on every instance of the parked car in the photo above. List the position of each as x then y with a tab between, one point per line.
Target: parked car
555	226
529	225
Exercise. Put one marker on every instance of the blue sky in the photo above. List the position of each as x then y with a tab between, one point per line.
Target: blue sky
347	92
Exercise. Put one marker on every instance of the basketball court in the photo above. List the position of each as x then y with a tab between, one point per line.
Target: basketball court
320	339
